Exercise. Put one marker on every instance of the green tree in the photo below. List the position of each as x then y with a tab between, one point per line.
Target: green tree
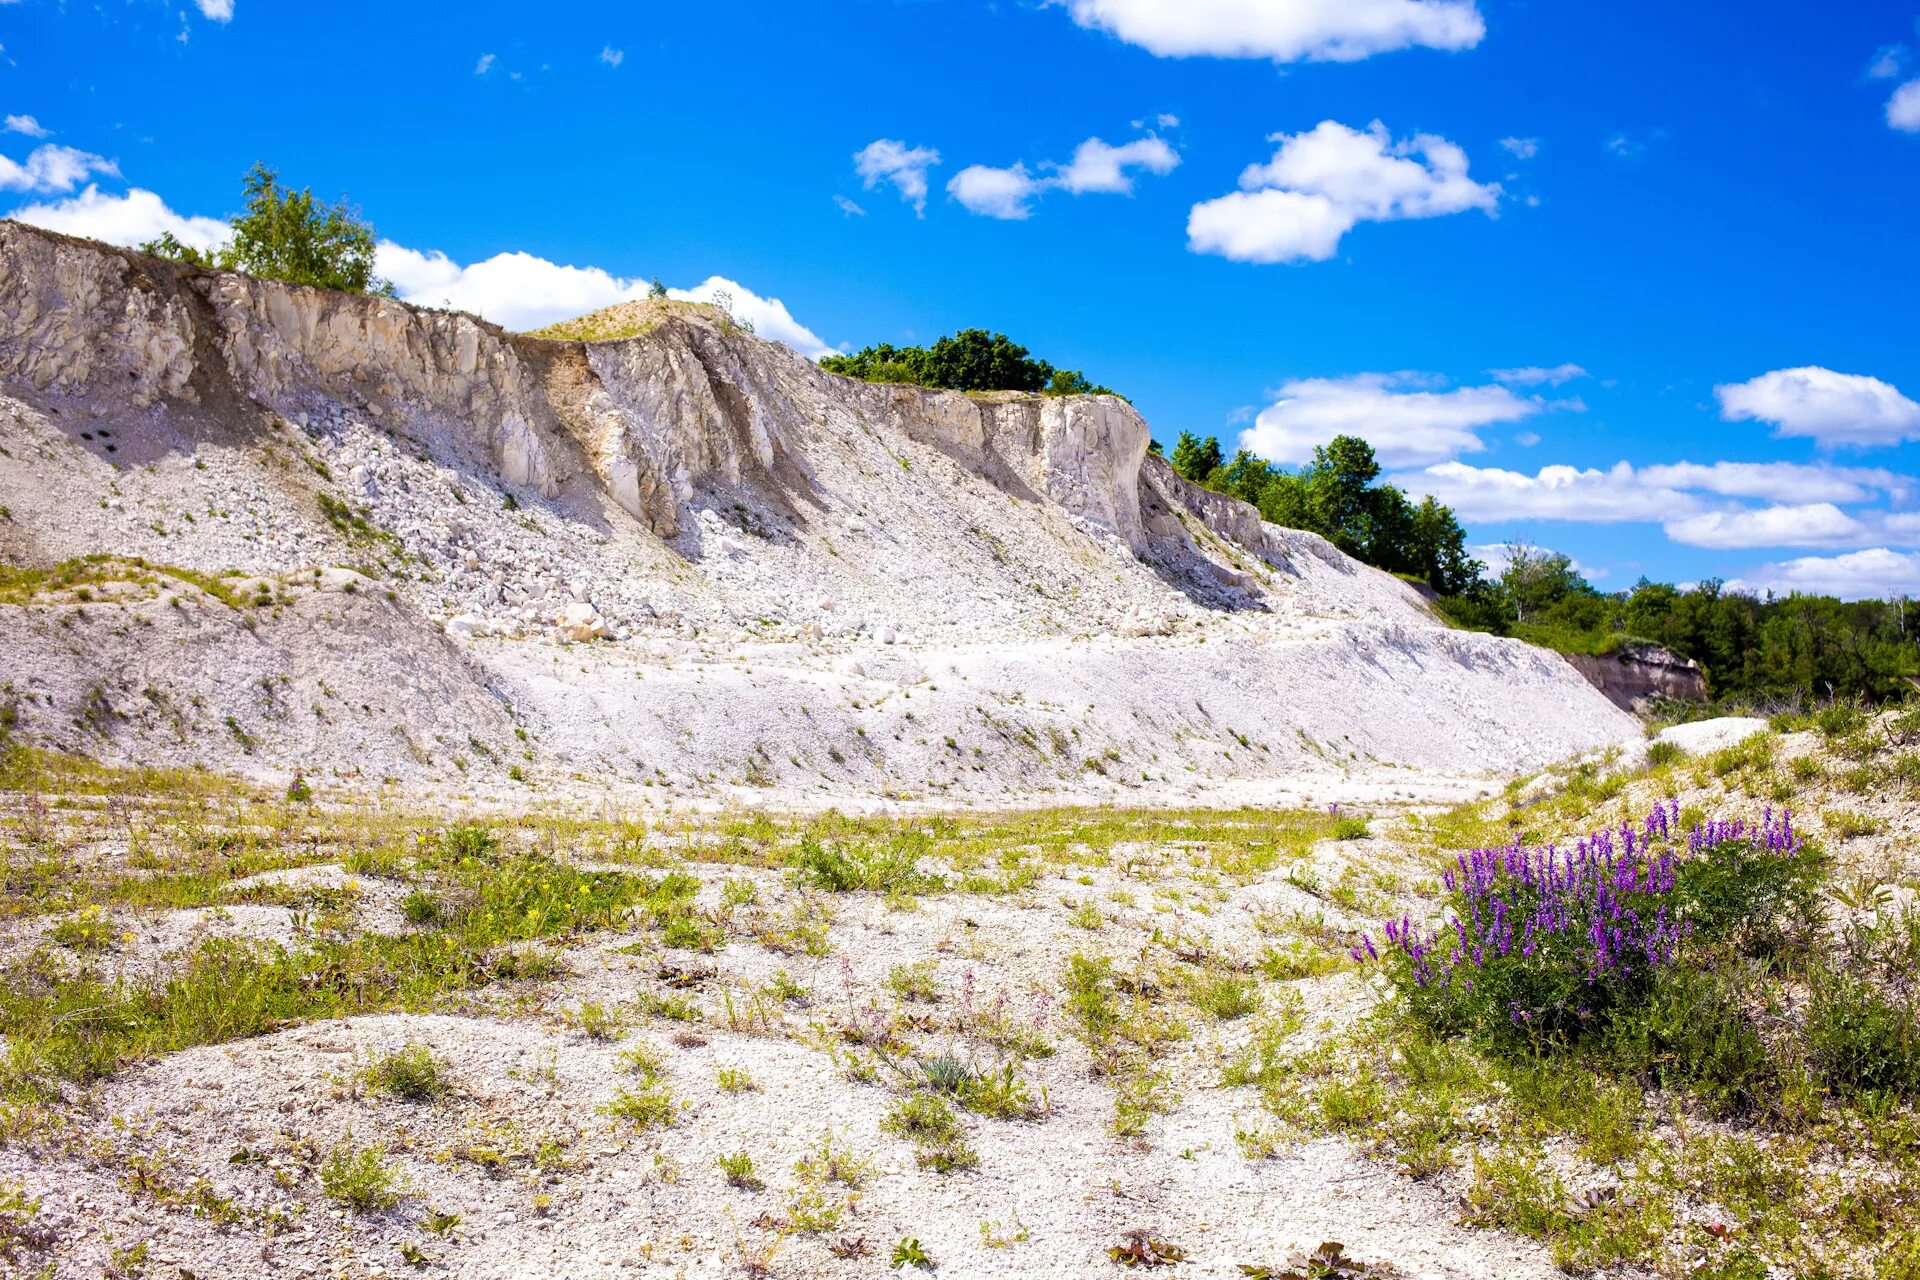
1194	458
1535	579
1339	484
970	360
288	235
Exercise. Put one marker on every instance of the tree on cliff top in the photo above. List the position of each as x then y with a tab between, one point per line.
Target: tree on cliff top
970	360
288	235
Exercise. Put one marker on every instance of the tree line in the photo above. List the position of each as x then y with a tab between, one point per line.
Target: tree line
1754	649
970	360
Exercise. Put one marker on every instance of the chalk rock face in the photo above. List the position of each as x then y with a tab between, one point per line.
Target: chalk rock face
819	574
71	319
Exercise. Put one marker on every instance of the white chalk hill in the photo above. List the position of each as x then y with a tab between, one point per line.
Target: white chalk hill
385	542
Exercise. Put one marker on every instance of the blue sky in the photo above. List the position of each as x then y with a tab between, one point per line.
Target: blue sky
1584	243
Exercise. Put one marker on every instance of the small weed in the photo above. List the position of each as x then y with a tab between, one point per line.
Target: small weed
739	1170
361	1179
411	1074
908	1253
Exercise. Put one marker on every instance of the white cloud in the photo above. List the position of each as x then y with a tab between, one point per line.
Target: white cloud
52	168
27	125
1534	375
517	290
1859	575
1527	439
1320	183
218	10
131	219
611	56
1284	30
848	207
1888	62
1167	120
996	193
1268	226
1097	167
769	316
889	160
1903	108
1816	524
1489	494
1832	408
521	291
1788	482
1407	428
1522	148
485	64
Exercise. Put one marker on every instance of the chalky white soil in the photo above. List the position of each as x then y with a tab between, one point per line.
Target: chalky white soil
251	1118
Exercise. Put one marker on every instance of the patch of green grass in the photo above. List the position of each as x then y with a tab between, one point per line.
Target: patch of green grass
361	1179
411	1074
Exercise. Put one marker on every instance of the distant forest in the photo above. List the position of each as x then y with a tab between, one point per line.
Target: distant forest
1755	651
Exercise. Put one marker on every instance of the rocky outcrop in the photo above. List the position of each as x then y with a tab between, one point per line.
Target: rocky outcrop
1635	674
691	403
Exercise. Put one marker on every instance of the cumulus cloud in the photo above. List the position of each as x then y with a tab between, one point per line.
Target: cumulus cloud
1522	148
1407	424
848	207
1874	573
1323	182
892	161
131	219
1832	408
1788	482
517	290
52	168
217	10
27	125
521	291
1903	108
1535	376
1586	495
1801	510
1284	30
485	64
1816	524
611	56
996	193
1097	167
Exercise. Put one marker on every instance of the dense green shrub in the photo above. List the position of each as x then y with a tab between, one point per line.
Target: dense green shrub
1862	1040
970	360
288	235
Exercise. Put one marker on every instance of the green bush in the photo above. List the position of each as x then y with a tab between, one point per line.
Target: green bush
970	360
288	235
1862	1041
843	868
1691	1033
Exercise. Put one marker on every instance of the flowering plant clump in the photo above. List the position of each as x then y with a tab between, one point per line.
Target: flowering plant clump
1547	942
